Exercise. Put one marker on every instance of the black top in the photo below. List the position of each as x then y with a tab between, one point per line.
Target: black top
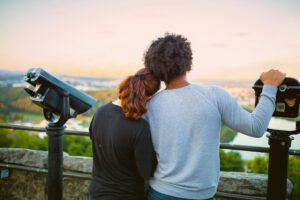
122	155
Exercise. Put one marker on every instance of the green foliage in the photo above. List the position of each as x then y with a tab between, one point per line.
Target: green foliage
294	175
231	161
11	94
2	118
25	104
260	165
6	139
16	117
227	134
103	96
25	140
77	145
16	100
74	145
22	139
32	118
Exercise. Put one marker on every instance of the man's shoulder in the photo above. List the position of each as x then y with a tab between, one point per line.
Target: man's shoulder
207	90
205	87
210	88
159	95
164	94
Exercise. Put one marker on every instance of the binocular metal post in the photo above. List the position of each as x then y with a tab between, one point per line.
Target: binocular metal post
55	162
55	132
287	105
280	142
60	102
278	165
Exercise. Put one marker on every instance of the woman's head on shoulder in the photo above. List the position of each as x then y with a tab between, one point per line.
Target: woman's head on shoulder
135	91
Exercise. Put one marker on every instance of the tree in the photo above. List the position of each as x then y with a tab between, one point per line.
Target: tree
258	164
23	139
227	134
231	161
77	145
294	175
6	139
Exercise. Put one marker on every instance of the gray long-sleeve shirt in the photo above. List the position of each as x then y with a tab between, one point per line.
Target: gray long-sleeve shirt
185	126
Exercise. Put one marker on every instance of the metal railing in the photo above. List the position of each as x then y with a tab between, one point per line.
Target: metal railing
84	176
85	133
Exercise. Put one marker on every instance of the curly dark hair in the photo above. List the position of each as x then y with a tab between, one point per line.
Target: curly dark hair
169	56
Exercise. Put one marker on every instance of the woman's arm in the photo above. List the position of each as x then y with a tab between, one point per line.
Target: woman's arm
144	153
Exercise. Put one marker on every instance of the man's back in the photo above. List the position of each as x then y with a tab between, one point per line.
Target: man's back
185	125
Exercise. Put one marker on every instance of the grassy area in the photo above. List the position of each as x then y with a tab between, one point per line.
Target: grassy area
32	118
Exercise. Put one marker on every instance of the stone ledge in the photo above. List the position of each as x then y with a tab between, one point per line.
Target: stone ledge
246	183
230	182
39	159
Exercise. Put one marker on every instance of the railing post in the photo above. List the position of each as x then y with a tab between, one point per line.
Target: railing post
278	165
55	162
55	132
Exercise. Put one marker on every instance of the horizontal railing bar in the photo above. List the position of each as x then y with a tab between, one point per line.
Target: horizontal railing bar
41	129
244	148
294	152
85	133
88	176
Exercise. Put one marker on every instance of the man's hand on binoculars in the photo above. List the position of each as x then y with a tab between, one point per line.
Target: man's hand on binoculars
272	77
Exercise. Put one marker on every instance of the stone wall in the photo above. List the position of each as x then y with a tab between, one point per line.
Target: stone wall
28	177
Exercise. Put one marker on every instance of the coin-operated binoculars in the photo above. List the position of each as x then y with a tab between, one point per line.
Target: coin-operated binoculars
60	102
287	106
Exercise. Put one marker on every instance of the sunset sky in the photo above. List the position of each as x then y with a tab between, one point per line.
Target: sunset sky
231	39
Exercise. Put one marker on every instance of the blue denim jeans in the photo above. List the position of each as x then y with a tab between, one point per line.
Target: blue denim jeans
91	197
154	195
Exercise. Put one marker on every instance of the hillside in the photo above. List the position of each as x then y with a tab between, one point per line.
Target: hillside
16	105
17	100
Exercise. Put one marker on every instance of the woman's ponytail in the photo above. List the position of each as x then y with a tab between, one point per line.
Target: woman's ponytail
135	91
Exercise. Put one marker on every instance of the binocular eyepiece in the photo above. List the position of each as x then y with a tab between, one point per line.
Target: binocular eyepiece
57	98
287	97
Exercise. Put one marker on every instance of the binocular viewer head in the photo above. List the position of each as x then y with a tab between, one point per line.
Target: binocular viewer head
287	97
49	92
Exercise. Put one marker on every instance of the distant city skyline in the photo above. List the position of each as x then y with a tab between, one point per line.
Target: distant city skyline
230	39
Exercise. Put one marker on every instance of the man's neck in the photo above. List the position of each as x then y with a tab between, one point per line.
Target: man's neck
177	82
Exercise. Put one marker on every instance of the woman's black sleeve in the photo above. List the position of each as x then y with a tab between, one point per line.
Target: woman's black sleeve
144	153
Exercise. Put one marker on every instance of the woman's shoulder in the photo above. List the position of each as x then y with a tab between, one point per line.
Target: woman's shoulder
140	125
103	108
143	122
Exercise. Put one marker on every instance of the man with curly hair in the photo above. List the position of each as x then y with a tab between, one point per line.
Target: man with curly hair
185	121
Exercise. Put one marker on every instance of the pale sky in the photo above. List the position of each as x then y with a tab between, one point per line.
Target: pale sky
231	39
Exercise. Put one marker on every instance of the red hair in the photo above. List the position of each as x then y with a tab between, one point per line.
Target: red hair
135	91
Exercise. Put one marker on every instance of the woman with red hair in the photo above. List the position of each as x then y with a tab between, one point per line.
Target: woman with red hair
123	155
